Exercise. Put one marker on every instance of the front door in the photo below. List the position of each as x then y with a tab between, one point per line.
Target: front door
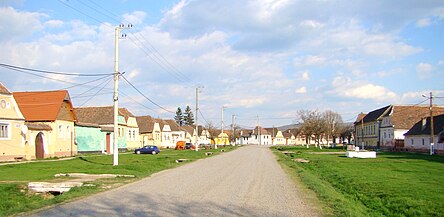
108	143
39	150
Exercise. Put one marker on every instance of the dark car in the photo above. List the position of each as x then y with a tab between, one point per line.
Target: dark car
148	149
188	145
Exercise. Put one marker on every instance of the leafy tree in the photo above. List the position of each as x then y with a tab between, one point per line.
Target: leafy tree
179	118
188	116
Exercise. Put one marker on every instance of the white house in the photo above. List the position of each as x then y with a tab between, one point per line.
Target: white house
418	137
257	136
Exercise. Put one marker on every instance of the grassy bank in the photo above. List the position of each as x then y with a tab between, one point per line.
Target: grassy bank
393	184
14	197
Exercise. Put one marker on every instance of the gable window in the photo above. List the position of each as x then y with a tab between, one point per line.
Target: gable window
422	141
4	131
411	141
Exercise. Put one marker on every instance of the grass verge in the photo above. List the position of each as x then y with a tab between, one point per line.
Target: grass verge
15	198
393	184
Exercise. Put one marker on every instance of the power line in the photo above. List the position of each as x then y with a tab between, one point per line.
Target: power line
135	88
96	93
8	66
152	53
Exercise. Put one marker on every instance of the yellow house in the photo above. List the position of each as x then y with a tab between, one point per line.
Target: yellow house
12	129
149	130
131	130
50	118
222	139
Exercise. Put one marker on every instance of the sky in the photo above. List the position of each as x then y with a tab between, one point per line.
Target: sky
262	61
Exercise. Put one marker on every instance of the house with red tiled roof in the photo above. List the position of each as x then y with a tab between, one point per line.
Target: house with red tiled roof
12	129
385	127
95	129
50	119
149	130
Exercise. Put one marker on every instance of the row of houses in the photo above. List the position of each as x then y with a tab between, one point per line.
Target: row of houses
45	124
400	126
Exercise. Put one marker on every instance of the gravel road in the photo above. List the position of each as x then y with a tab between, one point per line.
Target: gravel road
244	182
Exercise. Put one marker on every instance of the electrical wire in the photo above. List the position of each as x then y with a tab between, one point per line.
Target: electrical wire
95	93
135	88
49	72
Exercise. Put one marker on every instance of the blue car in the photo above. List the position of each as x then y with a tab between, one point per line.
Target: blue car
148	149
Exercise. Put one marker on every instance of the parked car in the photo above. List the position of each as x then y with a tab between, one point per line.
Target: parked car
148	149
188	145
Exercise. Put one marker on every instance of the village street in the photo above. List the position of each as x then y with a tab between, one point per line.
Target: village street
245	182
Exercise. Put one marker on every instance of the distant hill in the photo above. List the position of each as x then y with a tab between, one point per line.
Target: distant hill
288	127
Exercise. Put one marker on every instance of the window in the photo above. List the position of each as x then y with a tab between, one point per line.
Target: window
60	131
68	132
422	141
411	142
4	130
385	135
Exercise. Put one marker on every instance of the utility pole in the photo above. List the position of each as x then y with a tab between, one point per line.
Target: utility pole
432	136
232	127
116	92
197	114
258	130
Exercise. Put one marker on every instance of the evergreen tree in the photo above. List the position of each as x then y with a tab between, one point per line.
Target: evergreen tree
188	116
179	118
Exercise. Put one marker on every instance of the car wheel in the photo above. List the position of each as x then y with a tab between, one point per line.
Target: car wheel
137	152
153	152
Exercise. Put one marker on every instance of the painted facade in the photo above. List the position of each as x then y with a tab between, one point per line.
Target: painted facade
50	120
13	145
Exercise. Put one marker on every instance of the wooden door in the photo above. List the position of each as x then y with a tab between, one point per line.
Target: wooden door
39	150
108	143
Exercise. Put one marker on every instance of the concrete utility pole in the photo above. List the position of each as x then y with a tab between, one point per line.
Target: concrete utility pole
258	130
197	124
222	120
116	92
432	136
232	127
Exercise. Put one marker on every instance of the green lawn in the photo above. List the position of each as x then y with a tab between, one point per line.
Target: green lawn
14	197
393	184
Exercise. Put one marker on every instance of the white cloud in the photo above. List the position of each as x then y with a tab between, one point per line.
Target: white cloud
441	62
424	69
301	90
135	17
19	24
346	87
424	22
311	60
305	76
54	23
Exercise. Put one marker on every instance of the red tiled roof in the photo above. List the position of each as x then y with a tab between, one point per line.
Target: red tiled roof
41	105
404	117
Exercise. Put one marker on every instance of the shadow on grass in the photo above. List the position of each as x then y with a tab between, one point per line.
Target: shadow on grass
412	156
93	162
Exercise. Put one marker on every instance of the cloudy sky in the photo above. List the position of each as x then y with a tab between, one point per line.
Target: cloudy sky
265	58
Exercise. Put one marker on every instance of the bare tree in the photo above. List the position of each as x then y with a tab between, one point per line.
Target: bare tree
212	129
313	124
333	121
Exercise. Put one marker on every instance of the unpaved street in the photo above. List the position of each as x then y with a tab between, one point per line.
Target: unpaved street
244	182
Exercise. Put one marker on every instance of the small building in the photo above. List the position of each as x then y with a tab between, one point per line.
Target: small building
418	138
258	136
149	130
95	129
13	145
50	118
131	130
277	138
222	139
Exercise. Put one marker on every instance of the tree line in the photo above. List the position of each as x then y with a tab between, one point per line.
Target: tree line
324	125
184	118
